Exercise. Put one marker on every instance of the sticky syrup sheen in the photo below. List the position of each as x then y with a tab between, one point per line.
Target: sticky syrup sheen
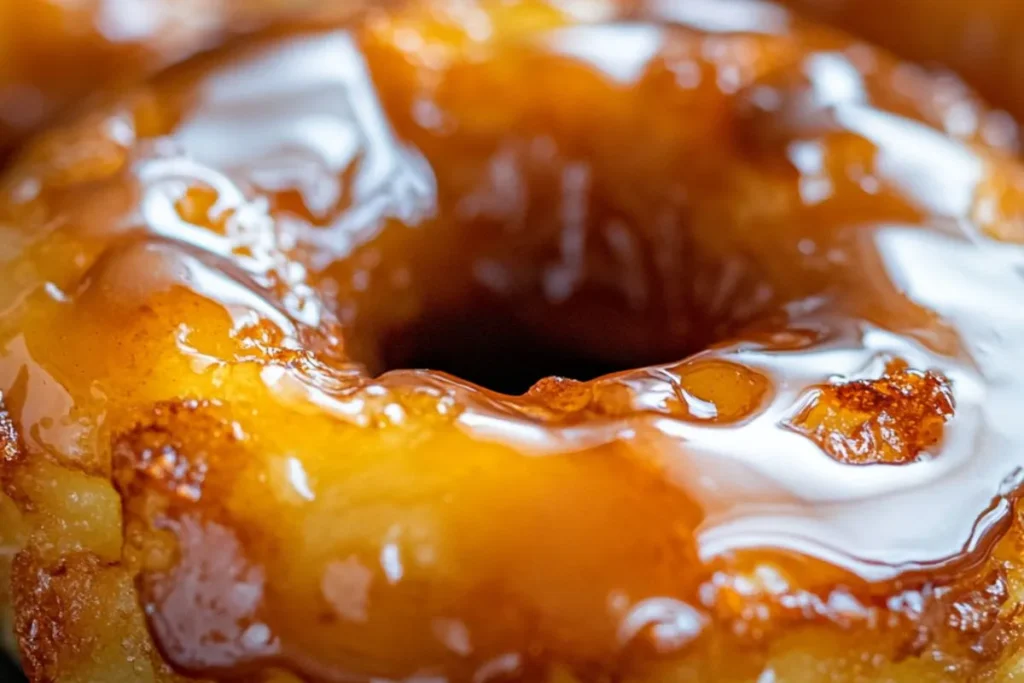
782	207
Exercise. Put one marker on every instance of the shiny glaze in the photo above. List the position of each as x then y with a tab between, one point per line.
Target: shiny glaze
967	37
55	53
206	283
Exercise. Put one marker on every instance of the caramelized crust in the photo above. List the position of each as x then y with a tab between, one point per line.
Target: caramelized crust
188	476
64	614
892	419
214	287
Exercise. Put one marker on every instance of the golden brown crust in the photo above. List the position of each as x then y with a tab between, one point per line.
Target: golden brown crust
891	420
66	615
60	614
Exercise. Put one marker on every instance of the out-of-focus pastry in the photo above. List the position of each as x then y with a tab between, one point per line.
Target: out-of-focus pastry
55	52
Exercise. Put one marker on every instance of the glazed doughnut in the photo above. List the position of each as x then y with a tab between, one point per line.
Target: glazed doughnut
719	320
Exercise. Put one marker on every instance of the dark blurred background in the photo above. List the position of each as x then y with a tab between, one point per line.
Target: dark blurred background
9	673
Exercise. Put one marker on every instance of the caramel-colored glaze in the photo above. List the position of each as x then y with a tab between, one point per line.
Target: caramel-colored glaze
210	289
54	53
978	40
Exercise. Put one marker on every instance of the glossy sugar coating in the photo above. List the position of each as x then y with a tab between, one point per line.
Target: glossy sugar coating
971	38
55	53
207	281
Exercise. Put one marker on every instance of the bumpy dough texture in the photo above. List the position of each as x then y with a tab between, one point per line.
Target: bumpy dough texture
205	472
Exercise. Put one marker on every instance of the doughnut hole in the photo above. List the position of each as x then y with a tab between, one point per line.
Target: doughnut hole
496	353
605	222
579	215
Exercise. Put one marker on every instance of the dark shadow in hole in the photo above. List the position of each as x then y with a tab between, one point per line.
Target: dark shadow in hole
9	673
493	351
512	370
